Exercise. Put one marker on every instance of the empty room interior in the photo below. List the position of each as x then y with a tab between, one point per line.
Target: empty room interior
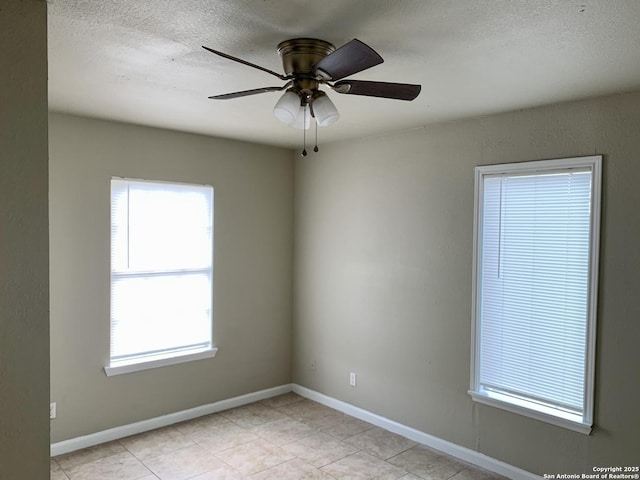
428	261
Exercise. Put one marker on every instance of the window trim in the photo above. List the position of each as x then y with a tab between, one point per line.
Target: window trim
171	356
135	365
539	412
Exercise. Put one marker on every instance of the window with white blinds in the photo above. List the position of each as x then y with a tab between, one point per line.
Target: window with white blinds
536	257
161	273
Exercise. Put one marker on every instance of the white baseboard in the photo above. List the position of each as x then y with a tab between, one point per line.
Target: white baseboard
463	453
116	433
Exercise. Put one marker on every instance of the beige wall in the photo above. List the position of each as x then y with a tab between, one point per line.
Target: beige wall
24	254
252	273
383	248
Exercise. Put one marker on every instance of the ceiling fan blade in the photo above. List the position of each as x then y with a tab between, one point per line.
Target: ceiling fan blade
244	62
245	93
353	57
398	91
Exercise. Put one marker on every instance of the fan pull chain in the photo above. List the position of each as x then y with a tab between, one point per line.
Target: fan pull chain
315	149
304	131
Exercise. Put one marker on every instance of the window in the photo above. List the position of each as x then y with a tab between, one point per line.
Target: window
536	235
161	274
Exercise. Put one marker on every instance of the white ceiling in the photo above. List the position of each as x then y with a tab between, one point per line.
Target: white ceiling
141	61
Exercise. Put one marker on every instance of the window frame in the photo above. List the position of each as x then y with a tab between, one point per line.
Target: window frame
168	357
494	399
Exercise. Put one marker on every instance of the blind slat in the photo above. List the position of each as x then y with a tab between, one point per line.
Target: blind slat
534	296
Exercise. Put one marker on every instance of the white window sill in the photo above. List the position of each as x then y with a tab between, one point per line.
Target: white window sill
532	410
129	366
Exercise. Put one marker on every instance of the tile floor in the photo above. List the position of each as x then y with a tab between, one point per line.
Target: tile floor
282	438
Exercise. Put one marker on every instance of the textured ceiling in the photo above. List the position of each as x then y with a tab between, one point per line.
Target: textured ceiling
142	62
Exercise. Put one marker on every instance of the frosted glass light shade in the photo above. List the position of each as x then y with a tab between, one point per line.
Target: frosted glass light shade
286	110
325	111
303	119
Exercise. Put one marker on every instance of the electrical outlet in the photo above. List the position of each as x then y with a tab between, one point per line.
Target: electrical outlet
52	411
313	365
352	379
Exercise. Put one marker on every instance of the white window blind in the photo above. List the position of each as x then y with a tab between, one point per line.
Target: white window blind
535	288
161	270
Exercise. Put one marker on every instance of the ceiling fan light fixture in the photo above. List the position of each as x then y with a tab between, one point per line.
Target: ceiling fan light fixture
309	63
324	110
287	108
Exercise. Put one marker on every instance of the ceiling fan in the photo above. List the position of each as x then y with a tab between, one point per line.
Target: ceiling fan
309	63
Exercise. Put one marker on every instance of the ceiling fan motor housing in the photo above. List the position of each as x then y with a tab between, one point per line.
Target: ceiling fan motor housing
299	55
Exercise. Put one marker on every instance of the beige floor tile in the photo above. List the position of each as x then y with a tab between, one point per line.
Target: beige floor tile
427	463
55	472
330	418
223	473
346	427
183	463
419	458
283	431
254	457
58	475
292	470
121	466
201	423
381	443
363	466
156	442
252	415
411	476
86	455
472	473
320	449
281	400
222	437
306	410
447	470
